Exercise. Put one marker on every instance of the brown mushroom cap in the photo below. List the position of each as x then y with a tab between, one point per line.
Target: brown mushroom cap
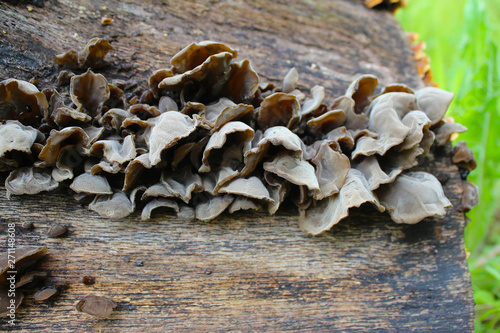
328	212
224	111
89	91
98	306
91	56
21	100
463	156
470	196
412	197
360	90
445	132
278	109
196	54
242	83
24	258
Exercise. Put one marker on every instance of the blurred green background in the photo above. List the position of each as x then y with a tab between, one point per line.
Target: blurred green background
463	37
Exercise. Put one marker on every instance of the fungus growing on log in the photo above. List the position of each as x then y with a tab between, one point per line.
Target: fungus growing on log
206	136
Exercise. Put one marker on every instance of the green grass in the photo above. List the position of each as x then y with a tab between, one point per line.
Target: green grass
463	40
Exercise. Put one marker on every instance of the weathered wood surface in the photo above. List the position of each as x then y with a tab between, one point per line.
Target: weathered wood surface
366	274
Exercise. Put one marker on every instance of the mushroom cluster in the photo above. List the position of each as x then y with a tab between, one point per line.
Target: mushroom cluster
206	136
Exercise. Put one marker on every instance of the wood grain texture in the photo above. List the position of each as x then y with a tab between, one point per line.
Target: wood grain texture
246	272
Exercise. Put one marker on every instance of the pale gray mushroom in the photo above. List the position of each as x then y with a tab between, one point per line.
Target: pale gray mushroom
105	166
434	102
312	104
279	136
15	136
166	103
332	168
353	121
115	206
115	151
370	167
412	197
385	114
290	81
158	203
182	183
293	169
68	159
29	180
251	187
64	116
445	132
213	207
167	130
241	135
224	111
418	122
330	211
157	190
242	203
91	184
342	136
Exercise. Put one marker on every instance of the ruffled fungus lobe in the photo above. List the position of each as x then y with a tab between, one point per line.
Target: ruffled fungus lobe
463	156
412	197
196	54
293	169
91	56
470	196
91	184
114	206
97	306
328	212
361	90
248	187
385	115
29	180
167	130
434	102
59	139
242	83
14	136
24	258
89	91
240	133
278	109
218	114
115	151
21	100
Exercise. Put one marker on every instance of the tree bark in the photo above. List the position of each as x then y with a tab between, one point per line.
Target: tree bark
246	272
